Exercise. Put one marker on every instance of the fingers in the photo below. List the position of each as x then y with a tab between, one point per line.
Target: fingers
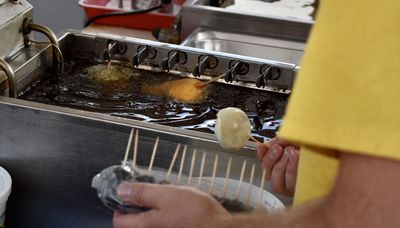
271	158
142	194
281	142
280	161
165	202
261	150
291	169
278	175
131	220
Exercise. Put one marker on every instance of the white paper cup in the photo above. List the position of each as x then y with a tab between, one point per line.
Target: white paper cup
5	190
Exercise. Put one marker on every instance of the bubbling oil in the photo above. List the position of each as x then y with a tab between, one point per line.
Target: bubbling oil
108	73
125	91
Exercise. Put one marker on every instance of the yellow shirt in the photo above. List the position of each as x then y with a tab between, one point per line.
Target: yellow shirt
347	95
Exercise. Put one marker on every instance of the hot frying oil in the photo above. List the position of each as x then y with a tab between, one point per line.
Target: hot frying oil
125	92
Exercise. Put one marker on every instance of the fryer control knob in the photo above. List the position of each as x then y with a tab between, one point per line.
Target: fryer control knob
267	73
113	48
143	53
205	62
236	68
174	57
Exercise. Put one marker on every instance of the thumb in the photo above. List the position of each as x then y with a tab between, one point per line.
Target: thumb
141	194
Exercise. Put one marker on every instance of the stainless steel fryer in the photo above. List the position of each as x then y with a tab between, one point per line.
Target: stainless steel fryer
53	152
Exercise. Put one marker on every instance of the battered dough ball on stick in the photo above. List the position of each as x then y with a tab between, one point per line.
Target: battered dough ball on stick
190	90
232	128
186	90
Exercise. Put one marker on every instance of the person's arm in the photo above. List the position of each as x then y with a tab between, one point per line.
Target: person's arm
366	194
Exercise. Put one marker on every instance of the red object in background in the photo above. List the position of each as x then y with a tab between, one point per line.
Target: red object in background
148	21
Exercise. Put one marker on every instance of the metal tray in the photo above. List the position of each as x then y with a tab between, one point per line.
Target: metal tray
196	14
249	45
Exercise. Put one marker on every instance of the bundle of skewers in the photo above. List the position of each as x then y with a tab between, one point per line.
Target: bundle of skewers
234	195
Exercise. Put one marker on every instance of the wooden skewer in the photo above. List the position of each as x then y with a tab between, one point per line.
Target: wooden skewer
266	143
228	171
109	65
135	149
182	162
251	183
241	179
109	48
203	160
214	173
260	198
171	166
203	84
255	140
192	166
153	155
128	148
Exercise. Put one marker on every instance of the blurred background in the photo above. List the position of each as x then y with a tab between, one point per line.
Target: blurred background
58	14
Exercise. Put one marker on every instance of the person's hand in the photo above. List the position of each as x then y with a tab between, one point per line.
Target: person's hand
280	160
171	207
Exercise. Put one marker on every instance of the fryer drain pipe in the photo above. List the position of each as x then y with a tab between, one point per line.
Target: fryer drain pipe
12	90
28	26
